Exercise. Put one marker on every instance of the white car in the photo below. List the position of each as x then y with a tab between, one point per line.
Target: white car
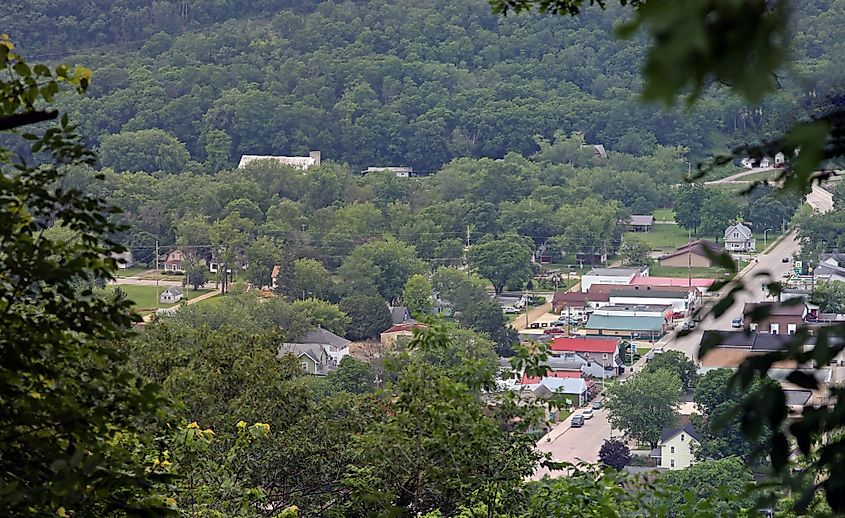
510	310
587	414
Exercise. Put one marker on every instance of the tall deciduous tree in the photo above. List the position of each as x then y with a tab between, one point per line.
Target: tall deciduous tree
644	405
505	261
634	252
677	363
148	150
395	261
830	296
689	199
614	453
369	316
417	295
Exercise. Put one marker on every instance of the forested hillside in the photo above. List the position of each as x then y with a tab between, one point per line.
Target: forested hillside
380	83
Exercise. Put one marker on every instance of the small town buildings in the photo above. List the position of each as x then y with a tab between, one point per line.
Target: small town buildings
320	351
645	327
641	223
591	257
174	261
831	267
575	362
389	336
603	351
572	385
692	254
637	310
399	172
400	315
615	276
298	162
313	358
171	295
574	301
676	447
739	238
702	285
731	348
782	318
681	299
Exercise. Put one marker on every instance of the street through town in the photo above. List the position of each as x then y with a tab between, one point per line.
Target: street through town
567	444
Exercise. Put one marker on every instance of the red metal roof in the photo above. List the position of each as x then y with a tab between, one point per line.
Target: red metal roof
672	282
529	380
588	345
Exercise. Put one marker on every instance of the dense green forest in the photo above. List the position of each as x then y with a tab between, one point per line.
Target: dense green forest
388	83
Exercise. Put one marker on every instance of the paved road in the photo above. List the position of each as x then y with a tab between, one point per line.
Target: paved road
573	444
146	282
735	177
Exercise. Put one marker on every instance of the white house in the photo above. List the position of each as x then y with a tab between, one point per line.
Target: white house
298	162
831	267
570	384
400	172
739	238
171	295
618	276
676	447
335	347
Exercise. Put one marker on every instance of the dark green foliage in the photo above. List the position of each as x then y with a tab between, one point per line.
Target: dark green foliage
725	482
369	316
830	296
505	261
644	405
68	403
677	363
615	453
353	376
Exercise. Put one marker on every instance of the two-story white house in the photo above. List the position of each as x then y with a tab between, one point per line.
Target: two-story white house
739	238
676	447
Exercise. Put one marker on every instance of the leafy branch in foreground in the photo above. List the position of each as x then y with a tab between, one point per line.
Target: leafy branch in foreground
66	402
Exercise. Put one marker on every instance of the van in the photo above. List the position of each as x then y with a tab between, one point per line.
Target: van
577	421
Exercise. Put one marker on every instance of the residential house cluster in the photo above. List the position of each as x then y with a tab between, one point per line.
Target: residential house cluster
575	366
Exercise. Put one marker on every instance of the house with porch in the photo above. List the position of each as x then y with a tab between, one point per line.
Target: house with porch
739	238
641	223
676	447
320	350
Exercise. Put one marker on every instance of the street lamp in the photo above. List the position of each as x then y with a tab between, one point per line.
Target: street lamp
765	240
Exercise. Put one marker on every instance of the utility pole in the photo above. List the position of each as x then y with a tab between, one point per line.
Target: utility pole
157	293
689	258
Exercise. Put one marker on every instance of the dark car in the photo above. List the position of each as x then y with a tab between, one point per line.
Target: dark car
577	421
785	260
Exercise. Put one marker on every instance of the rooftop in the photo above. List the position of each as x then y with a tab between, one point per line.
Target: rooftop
687	428
672	282
531	380
589	345
625	323
642	219
645	308
614	272
752	341
648	292
776	309
324	337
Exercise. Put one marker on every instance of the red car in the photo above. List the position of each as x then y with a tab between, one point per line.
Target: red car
678	314
554	331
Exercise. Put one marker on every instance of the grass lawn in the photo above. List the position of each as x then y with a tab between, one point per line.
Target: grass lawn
681	271
762	175
663	237
664	215
144	297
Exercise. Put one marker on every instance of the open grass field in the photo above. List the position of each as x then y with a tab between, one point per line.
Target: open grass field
144	297
130	272
663	237
664	215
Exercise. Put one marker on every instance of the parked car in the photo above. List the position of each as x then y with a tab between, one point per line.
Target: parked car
786	275
737	322
596	405
689	325
785	260
577	421
658	350
678	315
510	310
553	331
587	414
